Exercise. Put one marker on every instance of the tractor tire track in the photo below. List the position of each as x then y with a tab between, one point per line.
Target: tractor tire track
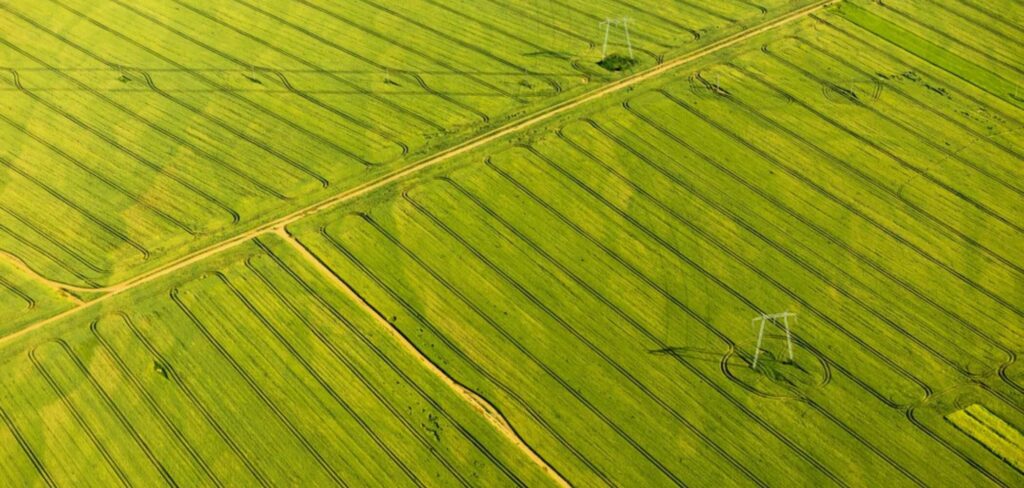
464	44
447	285
324	182
417	53
143	251
435	330
779	247
724	248
951	448
991	15
48	238
27	448
896	60
1005	97
342	359
979	25
196	402
70	407
325	385
951	38
43	252
323	40
829	237
937	222
136	198
108	402
129	152
921	137
216	160
255	388
639	226
799	451
925	389
835	198
635	323
400	173
151	403
391	365
387	134
204	79
30	303
575	13
243	64
561	321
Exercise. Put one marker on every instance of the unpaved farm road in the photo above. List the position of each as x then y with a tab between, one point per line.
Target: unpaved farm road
408	170
477	402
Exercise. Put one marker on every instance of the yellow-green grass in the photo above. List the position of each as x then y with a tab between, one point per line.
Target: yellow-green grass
626	249
247	369
594	279
135	132
994	433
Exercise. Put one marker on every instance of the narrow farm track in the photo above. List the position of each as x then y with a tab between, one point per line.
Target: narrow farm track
501	385
480	404
418	166
340	357
24	268
562	297
588	403
754	308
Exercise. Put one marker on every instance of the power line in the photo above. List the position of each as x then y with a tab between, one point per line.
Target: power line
607	24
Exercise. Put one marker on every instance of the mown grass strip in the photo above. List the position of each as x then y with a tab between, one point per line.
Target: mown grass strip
931	53
996	435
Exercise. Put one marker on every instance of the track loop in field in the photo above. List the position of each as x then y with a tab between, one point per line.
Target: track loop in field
857	92
777	377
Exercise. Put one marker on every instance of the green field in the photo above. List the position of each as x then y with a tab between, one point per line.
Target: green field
232	376
237	248
163	127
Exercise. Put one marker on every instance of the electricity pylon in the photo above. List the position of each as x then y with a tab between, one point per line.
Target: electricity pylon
607	24
772	317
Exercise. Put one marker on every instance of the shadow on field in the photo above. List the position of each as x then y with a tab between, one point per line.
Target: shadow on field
689	353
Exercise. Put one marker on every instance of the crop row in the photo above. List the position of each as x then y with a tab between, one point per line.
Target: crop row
240	375
630	249
186	174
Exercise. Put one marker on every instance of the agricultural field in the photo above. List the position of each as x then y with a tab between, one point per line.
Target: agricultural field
436	243
163	388
158	128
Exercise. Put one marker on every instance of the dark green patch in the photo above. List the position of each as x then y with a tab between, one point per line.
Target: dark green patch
160	369
616	62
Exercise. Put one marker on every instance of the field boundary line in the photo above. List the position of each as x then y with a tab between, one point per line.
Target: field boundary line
61	288
475	401
430	161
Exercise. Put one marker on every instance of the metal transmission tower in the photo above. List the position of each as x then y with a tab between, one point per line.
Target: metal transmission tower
773	317
607	24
